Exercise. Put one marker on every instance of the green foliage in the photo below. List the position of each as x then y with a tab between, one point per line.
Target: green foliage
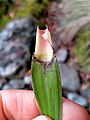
39	8
5	6
4	21
82	48
24	8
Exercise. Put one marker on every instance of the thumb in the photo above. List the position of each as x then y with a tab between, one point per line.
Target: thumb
42	117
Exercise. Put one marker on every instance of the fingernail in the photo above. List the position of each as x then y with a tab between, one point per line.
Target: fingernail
42	117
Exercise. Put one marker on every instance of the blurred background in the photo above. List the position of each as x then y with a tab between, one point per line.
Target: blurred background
69	23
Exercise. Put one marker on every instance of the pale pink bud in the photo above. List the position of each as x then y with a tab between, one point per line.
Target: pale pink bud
43	48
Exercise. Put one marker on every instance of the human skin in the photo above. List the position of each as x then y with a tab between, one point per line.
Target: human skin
21	105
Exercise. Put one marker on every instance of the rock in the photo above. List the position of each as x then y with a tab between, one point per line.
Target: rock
19	23
8	70
85	90
78	99
69	77
5	34
27	79
61	55
7	87
10	26
17	84
14	84
71	62
15	43
1	84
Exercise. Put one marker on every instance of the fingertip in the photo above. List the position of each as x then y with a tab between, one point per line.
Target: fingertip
42	117
72	110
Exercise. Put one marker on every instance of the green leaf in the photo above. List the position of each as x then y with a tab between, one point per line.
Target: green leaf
47	88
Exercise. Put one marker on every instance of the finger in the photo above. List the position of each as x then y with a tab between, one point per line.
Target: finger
2	115
73	111
18	105
42	117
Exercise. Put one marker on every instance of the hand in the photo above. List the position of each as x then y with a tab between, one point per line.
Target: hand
21	105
